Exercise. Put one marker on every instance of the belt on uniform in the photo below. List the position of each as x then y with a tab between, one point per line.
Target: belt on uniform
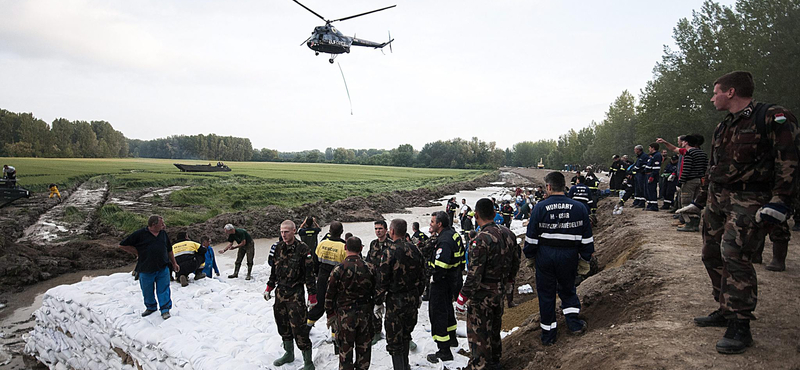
747	186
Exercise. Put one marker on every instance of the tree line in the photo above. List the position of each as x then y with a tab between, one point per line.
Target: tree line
760	36
755	35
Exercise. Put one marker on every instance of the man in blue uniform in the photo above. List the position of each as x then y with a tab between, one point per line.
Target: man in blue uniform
651	171
581	193
639	178
558	245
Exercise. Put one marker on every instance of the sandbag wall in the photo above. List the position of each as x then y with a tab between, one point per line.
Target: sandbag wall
97	324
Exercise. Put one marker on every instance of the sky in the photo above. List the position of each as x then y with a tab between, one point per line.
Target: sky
503	71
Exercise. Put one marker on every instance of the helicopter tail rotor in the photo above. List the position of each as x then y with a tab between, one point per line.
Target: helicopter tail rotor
390	42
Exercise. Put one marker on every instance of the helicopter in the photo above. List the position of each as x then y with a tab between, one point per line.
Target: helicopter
327	39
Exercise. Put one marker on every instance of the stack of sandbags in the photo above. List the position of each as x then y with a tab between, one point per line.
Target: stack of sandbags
97	324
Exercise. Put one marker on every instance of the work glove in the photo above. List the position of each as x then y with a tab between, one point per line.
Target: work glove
583	267
312	300
268	293
510	287
331	321
772	213
531	263
379	311
650	179
691	208
671	177
461	304
677	188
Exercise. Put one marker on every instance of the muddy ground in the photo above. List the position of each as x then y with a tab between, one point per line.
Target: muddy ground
640	307
34	246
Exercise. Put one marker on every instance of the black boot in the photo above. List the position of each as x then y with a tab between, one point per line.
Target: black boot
737	338
442	354
779	251
405	358
713	319
249	270
398	363
235	273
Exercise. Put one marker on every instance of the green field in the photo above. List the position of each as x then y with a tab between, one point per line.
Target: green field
248	185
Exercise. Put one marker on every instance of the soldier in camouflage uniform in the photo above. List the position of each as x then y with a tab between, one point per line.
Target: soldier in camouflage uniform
349	304
400	284
376	248
493	262
293	267
749	186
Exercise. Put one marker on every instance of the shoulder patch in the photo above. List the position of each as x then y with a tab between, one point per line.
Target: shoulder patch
780	118
438	253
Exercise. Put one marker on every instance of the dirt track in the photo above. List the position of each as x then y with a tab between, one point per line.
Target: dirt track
640	313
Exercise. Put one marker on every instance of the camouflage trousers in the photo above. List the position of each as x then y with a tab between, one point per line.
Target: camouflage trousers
484	320
730	237
353	334
401	318
290	316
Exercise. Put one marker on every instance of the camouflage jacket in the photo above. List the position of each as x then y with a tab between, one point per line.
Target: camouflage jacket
351	284
764	157
293	266
376	248
402	270
493	261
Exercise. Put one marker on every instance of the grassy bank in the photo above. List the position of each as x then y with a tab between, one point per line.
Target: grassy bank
249	185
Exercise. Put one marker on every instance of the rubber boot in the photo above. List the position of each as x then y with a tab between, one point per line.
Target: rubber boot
406	359
691	226
398	363
288	356
779	250
249	270
376	338
235	273
737	338
308	362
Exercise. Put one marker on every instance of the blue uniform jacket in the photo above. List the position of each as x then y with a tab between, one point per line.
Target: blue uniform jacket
560	222
639	165
653	166
581	193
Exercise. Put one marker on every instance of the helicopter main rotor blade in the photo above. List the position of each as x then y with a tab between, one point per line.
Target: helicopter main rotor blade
304	42
307	8
357	15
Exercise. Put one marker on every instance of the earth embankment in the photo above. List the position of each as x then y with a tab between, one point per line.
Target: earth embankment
639	308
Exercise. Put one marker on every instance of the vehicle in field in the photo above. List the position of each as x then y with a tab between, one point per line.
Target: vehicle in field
9	192
220	167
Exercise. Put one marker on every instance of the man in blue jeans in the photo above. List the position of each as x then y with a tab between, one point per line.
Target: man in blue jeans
151	244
